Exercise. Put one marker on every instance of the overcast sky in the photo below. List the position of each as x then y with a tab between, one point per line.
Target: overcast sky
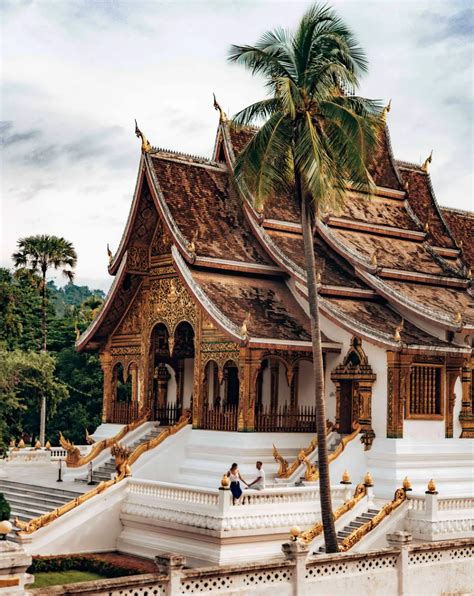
76	73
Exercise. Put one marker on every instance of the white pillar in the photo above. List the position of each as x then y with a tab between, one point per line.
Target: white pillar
402	541
14	561
172	565
297	552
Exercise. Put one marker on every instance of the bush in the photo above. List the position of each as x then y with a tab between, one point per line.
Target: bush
79	563
4	508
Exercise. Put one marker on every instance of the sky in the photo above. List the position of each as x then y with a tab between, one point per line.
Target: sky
75	74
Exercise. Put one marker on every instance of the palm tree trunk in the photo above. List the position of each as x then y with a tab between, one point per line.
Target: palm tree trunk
43	348
327	517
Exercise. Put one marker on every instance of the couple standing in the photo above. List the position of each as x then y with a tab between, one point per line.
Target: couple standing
235	478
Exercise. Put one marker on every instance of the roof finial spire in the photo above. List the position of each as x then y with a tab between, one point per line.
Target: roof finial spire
109	253
146	147
426	163
222	114
387	109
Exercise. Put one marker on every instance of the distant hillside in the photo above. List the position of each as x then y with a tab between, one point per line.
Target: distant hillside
70	295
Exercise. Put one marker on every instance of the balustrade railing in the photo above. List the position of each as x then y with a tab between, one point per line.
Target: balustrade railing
123	412
286	419
167	415
223	418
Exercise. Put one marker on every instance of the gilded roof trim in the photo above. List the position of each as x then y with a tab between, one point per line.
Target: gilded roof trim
117	258
93	328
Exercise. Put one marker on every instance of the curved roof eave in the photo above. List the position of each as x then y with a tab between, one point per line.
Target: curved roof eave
223	322
117	258
397	298
88	334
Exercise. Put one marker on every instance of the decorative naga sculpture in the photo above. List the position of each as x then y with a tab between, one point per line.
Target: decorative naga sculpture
73	452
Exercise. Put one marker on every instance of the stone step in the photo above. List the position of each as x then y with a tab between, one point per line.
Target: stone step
34	489
46	502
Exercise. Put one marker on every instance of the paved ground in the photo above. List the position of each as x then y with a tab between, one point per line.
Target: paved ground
39	475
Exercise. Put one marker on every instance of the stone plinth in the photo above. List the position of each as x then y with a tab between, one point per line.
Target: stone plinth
14	562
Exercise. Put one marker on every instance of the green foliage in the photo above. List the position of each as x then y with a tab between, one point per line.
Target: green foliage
82	375
20	311
4	508
72	381
93	564
25	378
316	133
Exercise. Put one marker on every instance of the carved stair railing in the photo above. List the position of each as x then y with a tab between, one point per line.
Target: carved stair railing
356	536
123	471
312	472
285	469
74	458
308	536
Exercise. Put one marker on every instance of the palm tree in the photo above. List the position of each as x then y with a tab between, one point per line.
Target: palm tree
38	254
314	142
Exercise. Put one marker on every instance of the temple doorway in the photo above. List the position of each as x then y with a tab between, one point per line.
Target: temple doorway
346	407
172	359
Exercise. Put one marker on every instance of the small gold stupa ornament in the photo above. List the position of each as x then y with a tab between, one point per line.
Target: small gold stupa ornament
431	488
225	481
458	318
346	479
295	531
37	445
21	444
406	484
12	444
47	446
368	480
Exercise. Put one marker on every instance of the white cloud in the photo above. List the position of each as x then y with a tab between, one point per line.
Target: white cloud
75	74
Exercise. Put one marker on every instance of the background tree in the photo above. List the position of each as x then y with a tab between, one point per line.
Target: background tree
27	379
314	144
39	254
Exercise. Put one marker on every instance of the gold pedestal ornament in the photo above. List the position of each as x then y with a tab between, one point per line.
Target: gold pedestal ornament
368	480
431	488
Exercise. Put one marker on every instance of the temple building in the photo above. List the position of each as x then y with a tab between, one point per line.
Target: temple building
204	340
208	308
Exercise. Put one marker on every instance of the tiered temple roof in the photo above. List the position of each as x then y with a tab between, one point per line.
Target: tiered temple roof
381	258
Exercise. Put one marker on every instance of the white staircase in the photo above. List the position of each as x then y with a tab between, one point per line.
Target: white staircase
28	501
106	470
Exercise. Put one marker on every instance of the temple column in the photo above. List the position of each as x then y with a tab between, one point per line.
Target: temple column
453	371
466	416
398	391
134	376
293	381
274	381
197	397
179	382
365	410
249	367
106	364
162	390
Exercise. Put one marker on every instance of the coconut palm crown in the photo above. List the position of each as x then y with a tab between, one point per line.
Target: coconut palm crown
314	141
